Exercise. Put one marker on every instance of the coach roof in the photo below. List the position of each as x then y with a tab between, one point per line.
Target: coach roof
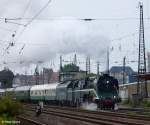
44	86
22	88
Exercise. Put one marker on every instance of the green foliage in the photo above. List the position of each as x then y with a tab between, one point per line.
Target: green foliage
146	103
70	68
91	75
9	108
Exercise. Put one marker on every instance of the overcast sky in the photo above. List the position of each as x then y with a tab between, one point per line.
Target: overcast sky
58	30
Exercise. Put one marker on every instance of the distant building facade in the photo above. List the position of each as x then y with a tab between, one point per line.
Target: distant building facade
47	76
117	72
54	77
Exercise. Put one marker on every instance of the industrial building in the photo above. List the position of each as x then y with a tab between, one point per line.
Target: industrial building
117	72
128	90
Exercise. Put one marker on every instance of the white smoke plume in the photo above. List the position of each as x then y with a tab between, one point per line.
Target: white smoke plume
43	39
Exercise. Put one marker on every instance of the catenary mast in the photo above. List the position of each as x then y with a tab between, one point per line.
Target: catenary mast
142	84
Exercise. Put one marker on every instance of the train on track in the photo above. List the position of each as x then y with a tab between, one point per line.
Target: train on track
103	91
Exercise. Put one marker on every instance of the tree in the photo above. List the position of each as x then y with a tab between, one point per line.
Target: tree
36	73
6	78
70	68
91	75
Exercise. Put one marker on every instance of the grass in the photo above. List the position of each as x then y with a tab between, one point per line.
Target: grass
145	104
127	103
130	113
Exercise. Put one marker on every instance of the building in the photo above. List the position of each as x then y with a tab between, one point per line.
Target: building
54	77
117	72
128	90
72	75
70	72
47	74
45	77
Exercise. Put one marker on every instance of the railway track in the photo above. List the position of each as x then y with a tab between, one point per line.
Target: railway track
104	112
94	117
26	121
121	111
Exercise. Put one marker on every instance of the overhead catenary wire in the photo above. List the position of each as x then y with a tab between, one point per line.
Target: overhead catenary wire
34	17
26	8
21	49
79	18
13	35
40	11
29	22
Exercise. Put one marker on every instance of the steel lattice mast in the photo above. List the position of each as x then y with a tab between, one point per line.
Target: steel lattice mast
142	84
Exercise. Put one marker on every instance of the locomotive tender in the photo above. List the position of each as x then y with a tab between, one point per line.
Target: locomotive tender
103	91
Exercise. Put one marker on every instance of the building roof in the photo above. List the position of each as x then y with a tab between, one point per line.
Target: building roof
51	86
119	69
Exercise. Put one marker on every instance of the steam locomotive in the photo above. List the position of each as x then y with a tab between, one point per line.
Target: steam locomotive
108	92
103	91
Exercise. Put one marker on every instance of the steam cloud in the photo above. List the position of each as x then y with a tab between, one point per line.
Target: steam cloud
63	37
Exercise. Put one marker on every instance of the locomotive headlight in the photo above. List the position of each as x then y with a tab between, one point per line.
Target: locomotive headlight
107	82
114	96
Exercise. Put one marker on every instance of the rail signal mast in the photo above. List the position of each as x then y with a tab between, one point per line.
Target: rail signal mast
142	84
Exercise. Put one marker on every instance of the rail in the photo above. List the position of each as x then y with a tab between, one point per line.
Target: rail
100	117
28	121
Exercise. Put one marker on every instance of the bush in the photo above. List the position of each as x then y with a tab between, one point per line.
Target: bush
9	108
146	103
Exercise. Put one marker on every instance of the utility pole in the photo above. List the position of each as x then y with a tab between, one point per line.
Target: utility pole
124	64
25	77
60	69
107	66
142	84
75	59
43	75
88	65
97	69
